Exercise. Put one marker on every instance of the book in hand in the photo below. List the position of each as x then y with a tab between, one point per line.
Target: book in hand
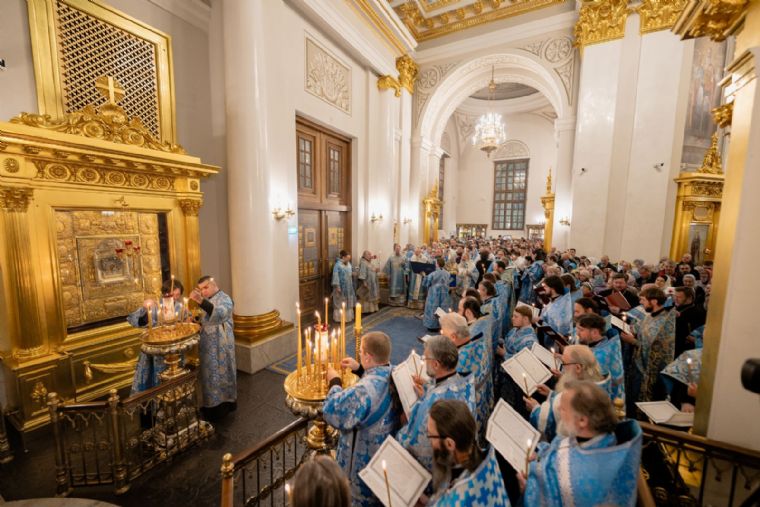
620	324
510	433
421	267
402	379
545	355
439	312
406	477
664	412
551	333
536	311
526	370
425	338
615	298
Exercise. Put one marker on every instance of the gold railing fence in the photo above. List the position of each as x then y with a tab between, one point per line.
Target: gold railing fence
113	442
257	476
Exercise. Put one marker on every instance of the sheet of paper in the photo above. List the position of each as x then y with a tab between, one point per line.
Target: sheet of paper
407	478
509	433
664	412
524	362
425	338
544	355
402	379
620	324
439	312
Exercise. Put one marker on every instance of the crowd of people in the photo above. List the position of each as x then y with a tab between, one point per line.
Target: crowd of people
621	333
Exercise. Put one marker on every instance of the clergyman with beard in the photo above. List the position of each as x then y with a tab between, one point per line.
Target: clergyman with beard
463	474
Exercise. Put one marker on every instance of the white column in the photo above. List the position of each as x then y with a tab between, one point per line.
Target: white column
564	134
381	192
247	116
418	187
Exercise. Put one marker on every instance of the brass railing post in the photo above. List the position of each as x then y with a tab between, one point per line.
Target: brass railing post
6	455
228	469
63	487
121	485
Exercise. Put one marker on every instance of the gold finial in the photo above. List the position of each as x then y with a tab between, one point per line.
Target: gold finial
110	88
712	163
549	182
407	72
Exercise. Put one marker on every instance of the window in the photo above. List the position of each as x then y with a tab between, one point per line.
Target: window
441	175
305	164
509	194
334	167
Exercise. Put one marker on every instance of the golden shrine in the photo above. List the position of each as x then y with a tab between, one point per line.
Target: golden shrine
94	212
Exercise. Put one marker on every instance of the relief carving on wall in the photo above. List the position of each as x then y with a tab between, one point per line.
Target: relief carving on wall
327	77
512	149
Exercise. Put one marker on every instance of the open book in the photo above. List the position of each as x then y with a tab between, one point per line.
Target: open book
545	356
664	412
620	324
536	311
526	370
511	435
406	477
559	339
402	379
615	298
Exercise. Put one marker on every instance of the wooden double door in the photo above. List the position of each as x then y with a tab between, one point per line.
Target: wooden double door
324	211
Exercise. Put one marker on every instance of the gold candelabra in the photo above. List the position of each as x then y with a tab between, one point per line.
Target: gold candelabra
318	350
170	333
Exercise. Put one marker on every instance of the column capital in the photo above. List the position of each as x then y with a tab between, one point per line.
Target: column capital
191	207
15	198
601	22
407	74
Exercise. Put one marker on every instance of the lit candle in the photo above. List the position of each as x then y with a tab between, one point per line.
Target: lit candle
527	456
343	330
327	314
308	351
689	367
289	492
319	351
186	307
319	321
335	351
150	315
556	361
299	337
171	289
358	323
387	484
525	380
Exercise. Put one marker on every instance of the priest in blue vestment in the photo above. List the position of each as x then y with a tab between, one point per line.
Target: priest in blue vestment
522	334
598	464
343	287
531	275
216	348
437	285
590	331
463	473
149	367
441	359
368	289
365	413
396	271
491	306
558	314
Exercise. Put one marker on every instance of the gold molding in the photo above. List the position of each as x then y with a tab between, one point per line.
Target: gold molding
15	198
432	209
723	115
717	19
547	203
191	207
253	328
712	163
407	74
600	21
658	14
455	20
377	24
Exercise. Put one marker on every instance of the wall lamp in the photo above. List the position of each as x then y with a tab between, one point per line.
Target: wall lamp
564	221
407	221
280	214
376	218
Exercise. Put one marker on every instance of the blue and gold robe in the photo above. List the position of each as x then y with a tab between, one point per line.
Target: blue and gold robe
492	307
519	338
368	290
395	270
610	358
467	276
413	436
530	277
343	279
483	487
364	415
679	370
656	349
504	299
148	367
601	471
217	353
475	358
559	315
437	285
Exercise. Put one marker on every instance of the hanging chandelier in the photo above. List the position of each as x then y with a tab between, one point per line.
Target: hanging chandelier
490	132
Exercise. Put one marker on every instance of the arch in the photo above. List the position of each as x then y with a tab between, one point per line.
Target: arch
510	65
513	148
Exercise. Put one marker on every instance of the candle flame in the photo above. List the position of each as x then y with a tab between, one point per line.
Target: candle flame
530	443
385	468
688	360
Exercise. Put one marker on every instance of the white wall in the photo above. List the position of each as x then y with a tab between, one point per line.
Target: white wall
476	173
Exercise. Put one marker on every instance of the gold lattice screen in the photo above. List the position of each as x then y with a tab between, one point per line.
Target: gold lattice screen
77	41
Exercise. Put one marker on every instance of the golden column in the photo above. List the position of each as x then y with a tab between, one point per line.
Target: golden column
547	201
24	324
190	209
432	206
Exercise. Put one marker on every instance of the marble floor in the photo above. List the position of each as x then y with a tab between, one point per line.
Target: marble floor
192	479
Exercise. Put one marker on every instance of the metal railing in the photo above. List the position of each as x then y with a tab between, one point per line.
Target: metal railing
257	476
689	470
115	441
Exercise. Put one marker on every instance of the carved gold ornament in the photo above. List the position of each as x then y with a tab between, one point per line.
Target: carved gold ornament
39	393
11	166
407	73
707	188
723	115
659	14
712	163
108	122
191	207
716	19
15	199
600	21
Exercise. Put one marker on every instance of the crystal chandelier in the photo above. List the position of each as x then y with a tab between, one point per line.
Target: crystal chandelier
490	132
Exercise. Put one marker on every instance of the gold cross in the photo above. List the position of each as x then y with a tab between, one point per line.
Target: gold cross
110	88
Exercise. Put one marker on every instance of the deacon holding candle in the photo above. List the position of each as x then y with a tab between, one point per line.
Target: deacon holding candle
364	413
453	437
149	316
343	287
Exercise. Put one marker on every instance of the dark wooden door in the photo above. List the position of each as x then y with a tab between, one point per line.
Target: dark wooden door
324	211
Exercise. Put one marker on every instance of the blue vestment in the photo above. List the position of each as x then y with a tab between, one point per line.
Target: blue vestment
475	358
492	307
656	349
504	300
395	270
559	315
148	367
217	353
610	358
413	436
530	277
416	296
601	471
343	279
364	415
681	371
483	487
437	285
368	290
519	338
